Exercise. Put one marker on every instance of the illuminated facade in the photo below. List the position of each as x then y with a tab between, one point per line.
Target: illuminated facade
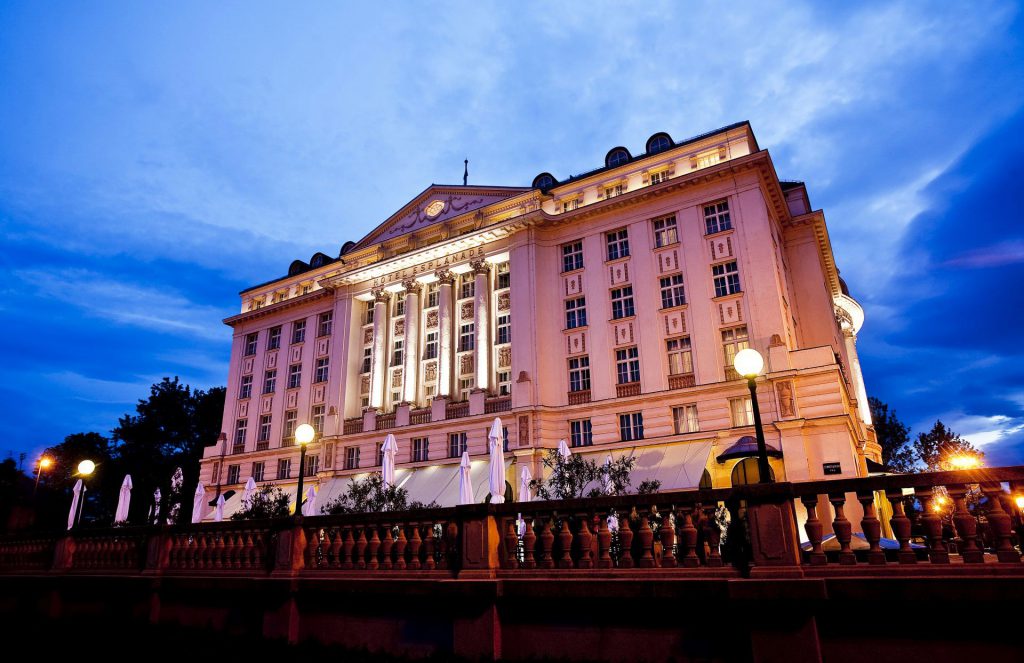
603	309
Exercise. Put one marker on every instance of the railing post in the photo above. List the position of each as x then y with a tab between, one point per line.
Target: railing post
771	522
64	554
871	526
932	525
291	548
966	526
900	525
1000	522
158	550
481	542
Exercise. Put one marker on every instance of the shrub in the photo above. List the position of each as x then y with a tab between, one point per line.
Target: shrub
267	502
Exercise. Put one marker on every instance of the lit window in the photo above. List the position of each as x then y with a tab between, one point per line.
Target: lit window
321	369
734	340
399	304
398	354
716	217
245	389
742	411
367	360
432	294
627	365
317	417
430	346
241	427
570	205
467	337
680	357
665	231
420	449
612	191
258	470
580	433
504	330
250	343
294	376
622	302
576	312
298	331
631	426
572	256
727	278
504	278
685	419
465	386
672	291
274	338
504	383
234	473
324	323
457	444
351	458
284	468
618	244
264	434
579	373
659	177
312	465
467	285
291	417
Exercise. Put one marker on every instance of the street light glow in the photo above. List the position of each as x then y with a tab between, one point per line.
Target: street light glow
86	467
304	434
748	363
964	462
45	462
1020	501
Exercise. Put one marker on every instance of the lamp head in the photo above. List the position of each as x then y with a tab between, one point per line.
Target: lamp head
86	467
748	363
304	434
1020	501
45	462
964	461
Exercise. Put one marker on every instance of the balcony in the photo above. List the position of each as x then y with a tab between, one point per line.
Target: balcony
262	445
351	426
627	389
419	416
498	404
578	397
731	374
385	421
681	381
456	410
238	449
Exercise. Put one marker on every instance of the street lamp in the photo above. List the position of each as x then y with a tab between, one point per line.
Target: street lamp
85	469
964	462
304	434
44	463
749	363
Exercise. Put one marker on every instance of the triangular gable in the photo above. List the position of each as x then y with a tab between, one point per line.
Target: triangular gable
435	204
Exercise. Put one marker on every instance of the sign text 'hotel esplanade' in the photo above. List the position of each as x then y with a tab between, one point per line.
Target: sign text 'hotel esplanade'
428	266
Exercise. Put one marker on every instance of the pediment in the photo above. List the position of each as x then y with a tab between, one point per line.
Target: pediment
436	204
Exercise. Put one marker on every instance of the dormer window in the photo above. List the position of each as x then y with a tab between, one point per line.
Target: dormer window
544	181
658	143
617	157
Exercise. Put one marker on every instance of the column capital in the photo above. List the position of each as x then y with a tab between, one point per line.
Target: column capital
445	277
380	296
480	266
412	286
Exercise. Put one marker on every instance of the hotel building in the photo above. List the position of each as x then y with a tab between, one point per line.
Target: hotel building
603	309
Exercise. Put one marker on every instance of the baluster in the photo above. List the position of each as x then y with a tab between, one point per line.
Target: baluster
547	543
688	539
900	525
646	536
385	549
595	527
374	546
966	526
1000	524
361	549
400	549
312	544
414	547
843	529
667	537
814	529
244	550
604	544
348	547
625	543
259	544
565	545
201	550
428	548
218	550
335	548
511	545
932	525
872	527
586	543
451	545
529	544
713	535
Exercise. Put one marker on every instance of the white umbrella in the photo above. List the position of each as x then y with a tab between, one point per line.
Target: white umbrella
563	450
465	483
308	509
77	495
388	451
123	500
156	507
606	480
197	505
250	488
218	512
524	484
497	478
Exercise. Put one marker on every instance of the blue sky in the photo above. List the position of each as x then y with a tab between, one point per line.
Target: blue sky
155	159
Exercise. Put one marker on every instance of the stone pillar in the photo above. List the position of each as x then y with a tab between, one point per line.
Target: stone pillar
445	323
411	372
378	374
857	377
482	324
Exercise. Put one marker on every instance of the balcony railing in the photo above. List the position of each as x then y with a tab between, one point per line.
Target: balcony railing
238	448
456	410
577	397
628	389
498	404
262	445
353	426
385	421
681	381
419	416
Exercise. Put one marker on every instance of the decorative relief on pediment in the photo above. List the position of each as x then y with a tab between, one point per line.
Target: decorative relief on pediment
368	336
450	205
466	365
504	357
430	371
431	319
399	328
364	384
396	378
504	301
466	311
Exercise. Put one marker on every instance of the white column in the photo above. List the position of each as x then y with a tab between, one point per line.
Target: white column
378	376
411	372
857	377
482	324
445	279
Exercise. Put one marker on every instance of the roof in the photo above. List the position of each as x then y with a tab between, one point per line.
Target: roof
745	447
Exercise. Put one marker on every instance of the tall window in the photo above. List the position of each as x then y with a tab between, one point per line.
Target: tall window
245	389
312	465
368	314
317	416
241	428
264	434
291	418
294	375
398	353
742	410
618	244
234	473
467	337
367	360
576	312
680	356
685	419
274	338
580	433
504	330
504	383
631	426
665	229
258	470
270	381
420	449
465	386
627	365
430	346
250	343
504	278
672	291
284	468
399	305
734	340
727	278
322	367
324	323
622	302
298	331
456	444
432	294
351	458
716	217
579	373
572	256
467	285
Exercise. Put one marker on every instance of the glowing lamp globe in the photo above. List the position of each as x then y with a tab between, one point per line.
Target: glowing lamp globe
1020	502
304	434
45	463
86	467
964	462
748	363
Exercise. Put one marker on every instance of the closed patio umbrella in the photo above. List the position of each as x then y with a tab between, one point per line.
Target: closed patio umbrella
77	496
465	483
309	508
563	450
197	503
497	475
388	450
218	511
123	500
250	488
606	480
524	484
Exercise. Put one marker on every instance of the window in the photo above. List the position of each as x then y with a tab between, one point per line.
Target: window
747	472
368	314
680	357
631	426
467	337
727	278
320	375
258	470
742	411
264	433
457	444
396	398
659	177
317	418
579	373
234	473
291	417
570	205
241	427
716	217
432	294
580	433
420	449
627	365
397	354
685	419
294	375
351	458
504	383
284	468
612	191
250	343
467	285
270	381
298	331
665	231
430	390
399	305
306	289
616	157
312	465
622	302
572	256
734	340
324	323
430	346
504	331
504	278
658	143
465	386
245	390
274	338
672	291
576	312
367	360
618	244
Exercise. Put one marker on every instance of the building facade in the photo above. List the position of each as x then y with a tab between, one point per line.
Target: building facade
603	309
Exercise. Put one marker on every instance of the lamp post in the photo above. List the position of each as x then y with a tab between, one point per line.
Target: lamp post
44	464
304	434
749	363
85	469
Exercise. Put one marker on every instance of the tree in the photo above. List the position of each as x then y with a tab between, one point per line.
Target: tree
893	436
370	495
936	447
101	487
576	477
265	503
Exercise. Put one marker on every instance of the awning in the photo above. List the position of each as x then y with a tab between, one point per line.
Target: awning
433	483
746	447
677	466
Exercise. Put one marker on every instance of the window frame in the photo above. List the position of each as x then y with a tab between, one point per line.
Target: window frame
631	426
623	305
687	415
668	233
627	365
579	375
717	219
457	442
673	293
581	433
576	312
617	244
298	331
572	256
726	278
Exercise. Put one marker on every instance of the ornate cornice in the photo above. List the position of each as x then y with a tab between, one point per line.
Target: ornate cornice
479	267
270	309
445	277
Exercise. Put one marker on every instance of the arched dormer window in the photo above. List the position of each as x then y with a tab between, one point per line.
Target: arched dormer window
544	181
659	142
616	157
318	260
297	267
